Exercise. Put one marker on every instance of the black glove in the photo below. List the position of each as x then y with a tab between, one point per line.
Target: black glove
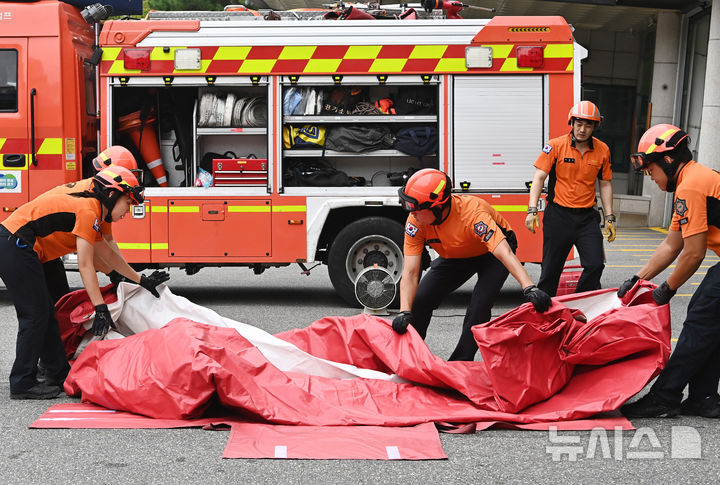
540	300
401	322
116	278
663	293
150	282
627	286
103	321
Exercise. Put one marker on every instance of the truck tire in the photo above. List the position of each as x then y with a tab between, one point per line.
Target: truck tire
363	243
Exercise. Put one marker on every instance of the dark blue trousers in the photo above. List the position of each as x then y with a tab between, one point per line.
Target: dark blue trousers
564	228
447	275
696	357
38	333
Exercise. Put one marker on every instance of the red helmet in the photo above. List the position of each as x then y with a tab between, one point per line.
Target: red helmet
657	139
426	189
120	179
585	110
115	155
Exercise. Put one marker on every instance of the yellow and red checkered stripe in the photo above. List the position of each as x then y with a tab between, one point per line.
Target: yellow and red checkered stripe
355	59
49	152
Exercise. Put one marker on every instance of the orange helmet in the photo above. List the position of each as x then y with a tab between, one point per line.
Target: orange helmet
118	179
426	189
585	110
115	155
657	139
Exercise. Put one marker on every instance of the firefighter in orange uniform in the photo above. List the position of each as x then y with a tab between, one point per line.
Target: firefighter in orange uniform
663	153
470	237
48	227
55	276
573	162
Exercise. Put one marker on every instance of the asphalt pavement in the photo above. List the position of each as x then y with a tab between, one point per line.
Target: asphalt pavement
660	450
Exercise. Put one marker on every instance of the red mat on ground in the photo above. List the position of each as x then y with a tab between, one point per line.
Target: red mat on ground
255	440
537	369
91	416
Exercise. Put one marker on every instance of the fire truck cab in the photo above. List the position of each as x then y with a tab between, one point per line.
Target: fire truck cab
248	127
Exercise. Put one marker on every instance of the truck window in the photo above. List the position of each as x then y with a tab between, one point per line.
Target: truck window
8	79
90	92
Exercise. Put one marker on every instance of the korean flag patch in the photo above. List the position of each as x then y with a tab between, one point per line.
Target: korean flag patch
547	148
411	229
96	226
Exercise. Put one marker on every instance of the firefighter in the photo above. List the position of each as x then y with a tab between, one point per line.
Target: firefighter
55	276
48	227
664	154
470	237
573	162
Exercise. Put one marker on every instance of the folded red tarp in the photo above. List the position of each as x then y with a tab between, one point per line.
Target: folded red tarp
86	415
578	370
253	440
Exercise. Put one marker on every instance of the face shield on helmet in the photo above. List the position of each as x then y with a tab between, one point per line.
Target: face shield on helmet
426	189
585	110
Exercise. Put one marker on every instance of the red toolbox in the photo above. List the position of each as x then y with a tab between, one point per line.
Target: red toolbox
240	172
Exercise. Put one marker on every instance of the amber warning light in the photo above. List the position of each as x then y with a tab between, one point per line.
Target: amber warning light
530	56
137	59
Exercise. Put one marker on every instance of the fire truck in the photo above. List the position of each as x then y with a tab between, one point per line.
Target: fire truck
237	174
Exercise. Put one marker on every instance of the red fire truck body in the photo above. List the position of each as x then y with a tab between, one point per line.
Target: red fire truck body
179	89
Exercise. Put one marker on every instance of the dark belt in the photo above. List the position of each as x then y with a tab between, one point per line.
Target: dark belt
575	210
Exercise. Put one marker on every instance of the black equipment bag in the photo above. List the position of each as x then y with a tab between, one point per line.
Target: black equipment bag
416	100
359	138
417	140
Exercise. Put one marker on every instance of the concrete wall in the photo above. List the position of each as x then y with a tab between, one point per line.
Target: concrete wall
708	147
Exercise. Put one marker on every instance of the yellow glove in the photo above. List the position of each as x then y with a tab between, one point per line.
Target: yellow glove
532	221
609	231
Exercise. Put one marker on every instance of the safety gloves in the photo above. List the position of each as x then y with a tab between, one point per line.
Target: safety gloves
609	231
663	293
627	286
103	321
532	221
540	300
151	282
401	321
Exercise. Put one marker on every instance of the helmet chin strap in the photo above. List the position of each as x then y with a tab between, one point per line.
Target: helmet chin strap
672	172
108	201
438	212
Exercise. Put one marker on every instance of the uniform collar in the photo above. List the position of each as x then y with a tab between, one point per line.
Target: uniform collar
572	141
681	172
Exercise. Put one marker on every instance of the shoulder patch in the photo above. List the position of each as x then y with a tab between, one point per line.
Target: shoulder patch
547	148
683	221
680	207
410	229
96	226
480	228
489	235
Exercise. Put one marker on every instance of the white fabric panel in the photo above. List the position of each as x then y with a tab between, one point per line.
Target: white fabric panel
137	310
498	123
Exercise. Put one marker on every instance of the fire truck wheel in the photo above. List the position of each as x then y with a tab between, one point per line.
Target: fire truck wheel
363	243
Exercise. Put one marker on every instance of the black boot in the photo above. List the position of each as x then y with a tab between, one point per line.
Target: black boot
709	407
649	406
39	391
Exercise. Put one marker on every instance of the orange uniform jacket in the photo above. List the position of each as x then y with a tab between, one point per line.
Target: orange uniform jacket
472	228
52	222
572	174
697	204
80	186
